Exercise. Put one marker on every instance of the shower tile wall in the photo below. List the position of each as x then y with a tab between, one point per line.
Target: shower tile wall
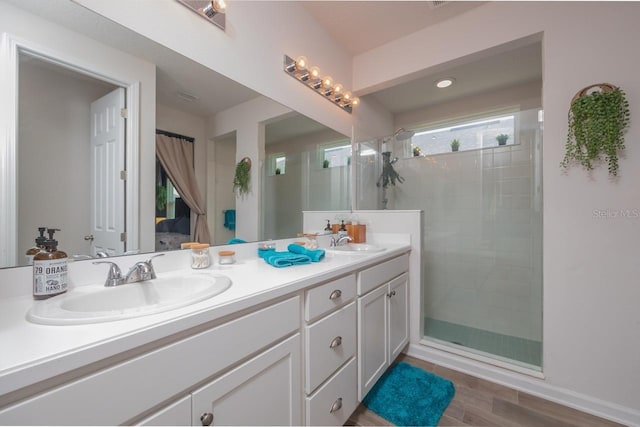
482	237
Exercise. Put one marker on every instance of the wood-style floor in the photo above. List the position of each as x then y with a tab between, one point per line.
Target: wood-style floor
482	403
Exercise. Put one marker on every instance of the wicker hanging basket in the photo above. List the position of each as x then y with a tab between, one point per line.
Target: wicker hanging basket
598	87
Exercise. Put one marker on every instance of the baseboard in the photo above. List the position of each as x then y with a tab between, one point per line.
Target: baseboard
527	384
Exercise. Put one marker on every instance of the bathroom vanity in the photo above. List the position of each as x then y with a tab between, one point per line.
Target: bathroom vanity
290	346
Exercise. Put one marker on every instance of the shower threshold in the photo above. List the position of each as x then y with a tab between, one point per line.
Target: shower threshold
524	352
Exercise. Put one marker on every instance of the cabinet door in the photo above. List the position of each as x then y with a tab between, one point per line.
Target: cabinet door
372	339
398	315
266	390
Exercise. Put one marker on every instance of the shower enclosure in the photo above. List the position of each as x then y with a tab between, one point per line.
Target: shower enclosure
303	183
482	236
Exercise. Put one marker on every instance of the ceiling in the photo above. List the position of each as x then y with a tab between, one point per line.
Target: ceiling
489	73
360	26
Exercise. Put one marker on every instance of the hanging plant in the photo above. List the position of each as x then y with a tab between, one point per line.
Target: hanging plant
389	175
242	177
598	118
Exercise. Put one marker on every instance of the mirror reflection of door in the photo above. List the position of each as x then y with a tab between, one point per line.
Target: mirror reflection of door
107	184
54	155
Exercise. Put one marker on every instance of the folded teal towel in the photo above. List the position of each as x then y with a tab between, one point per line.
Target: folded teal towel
315	254
235	241
263	251
285	259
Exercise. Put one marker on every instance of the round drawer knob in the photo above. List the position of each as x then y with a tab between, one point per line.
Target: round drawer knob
336	405
206	419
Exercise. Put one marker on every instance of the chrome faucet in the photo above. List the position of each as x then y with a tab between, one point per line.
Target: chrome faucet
139	272
340	241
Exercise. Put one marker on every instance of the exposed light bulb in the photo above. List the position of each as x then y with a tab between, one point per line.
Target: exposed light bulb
338	88
314	72
347	96
355	101
214	7
327	82
301	63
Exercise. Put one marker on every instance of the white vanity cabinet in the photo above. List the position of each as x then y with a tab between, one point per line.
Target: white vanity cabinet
121	393
330	350
383	319
263	391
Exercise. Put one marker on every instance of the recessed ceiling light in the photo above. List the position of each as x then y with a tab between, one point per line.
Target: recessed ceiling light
445	83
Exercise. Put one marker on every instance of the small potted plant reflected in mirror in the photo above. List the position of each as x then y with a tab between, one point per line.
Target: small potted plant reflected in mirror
455	145
278	171
416	151
502	139
325	164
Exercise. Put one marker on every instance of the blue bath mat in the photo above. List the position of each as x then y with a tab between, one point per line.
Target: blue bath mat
410	396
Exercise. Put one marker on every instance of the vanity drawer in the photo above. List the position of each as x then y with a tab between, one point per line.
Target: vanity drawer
324	298
375	276
336	400
329	343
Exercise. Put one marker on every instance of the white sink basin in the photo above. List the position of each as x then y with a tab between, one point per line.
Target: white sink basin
356	248
97	303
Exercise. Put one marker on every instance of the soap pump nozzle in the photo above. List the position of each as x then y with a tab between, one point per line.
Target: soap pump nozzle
51	242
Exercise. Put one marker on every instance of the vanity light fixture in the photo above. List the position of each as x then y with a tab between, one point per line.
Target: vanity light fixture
444	83
310	76
211	10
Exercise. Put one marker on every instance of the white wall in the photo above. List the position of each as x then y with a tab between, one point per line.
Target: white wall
54	155
110	63
247	120
187	124
220	197
591	350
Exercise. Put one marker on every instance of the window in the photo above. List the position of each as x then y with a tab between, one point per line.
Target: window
336	154
472	135
277	164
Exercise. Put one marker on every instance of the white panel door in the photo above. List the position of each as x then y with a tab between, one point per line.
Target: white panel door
266	390
373	356
398	315
107	160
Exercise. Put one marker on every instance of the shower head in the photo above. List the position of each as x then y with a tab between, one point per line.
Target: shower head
402	134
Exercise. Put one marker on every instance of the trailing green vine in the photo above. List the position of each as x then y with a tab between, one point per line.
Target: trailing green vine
242	176
597	123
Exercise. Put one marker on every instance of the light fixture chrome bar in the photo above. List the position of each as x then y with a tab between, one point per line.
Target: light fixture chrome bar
303	76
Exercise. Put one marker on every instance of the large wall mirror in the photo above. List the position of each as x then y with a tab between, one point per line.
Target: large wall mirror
67	174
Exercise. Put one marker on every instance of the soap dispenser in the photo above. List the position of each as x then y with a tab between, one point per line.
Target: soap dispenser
31	252
49	269
343	230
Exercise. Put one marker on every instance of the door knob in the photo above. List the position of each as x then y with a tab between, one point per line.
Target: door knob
89	237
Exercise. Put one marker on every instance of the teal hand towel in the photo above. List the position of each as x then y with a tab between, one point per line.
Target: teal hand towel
285	259
315	254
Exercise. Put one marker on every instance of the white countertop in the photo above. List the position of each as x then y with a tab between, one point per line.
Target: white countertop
32	352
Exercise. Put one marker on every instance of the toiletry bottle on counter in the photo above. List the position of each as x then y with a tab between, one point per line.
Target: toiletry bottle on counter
49	269
343	230
31	252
